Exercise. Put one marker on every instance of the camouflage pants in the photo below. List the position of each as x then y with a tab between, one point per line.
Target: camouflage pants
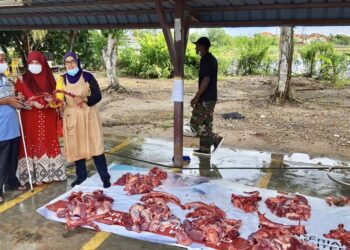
202	123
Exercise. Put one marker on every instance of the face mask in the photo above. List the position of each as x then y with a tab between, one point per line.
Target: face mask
73	72
3	67
35	68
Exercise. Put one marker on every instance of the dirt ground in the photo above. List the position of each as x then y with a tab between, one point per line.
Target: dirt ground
318	123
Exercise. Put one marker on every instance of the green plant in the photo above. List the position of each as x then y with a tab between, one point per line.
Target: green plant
130	61
310	56
251	53
152	60
191	62
333	65
154	56
340	39
58	43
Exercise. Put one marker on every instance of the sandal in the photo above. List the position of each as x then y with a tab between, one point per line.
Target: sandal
15	188
21	188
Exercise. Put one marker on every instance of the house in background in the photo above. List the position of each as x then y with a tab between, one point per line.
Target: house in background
307	39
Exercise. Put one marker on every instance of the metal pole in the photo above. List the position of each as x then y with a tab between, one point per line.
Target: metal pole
25	150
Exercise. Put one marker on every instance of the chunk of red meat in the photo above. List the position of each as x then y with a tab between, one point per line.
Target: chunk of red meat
248	204
294	207
340	234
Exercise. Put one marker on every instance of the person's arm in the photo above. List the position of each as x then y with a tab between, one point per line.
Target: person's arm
95	96
13	101
60	86
58	96
203	86
18	85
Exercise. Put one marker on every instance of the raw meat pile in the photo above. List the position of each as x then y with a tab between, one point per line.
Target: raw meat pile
273	235
338	201
153	214
248	204
340	234
292	207
82	209
142	183
43	100
206	223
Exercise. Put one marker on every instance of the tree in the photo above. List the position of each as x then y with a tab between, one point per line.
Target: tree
251	52
38	37
308	55
79	41
72	36
148	58
340	39
109	54
333	64
219	38
154	56
23	41
14	39
283	87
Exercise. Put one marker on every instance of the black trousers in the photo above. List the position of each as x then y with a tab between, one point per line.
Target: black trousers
100	163
8	163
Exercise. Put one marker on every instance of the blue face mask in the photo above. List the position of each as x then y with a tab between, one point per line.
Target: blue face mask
73	72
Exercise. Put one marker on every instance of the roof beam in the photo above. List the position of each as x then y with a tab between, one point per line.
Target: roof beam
189	9
81	26
194	13
273	6
166	30
258	23
261	23
79	4
81	13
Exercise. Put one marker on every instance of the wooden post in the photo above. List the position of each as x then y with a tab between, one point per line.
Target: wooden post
178	85
176	48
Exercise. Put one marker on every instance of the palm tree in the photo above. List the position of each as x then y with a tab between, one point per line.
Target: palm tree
38	36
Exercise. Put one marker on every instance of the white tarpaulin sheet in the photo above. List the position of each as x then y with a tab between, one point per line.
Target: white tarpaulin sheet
323	218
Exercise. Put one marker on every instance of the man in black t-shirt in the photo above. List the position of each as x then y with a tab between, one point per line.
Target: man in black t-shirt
205	99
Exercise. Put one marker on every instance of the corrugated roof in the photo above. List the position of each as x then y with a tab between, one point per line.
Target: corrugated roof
45	14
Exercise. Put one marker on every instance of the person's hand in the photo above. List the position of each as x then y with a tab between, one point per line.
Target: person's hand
37	105
78	100
194	101
20	94
15	102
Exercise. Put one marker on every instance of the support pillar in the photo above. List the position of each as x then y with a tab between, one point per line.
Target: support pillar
176	47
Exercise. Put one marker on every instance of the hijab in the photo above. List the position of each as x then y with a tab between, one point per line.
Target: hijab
73	79
42	82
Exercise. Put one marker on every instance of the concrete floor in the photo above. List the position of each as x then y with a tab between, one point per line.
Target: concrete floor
22	228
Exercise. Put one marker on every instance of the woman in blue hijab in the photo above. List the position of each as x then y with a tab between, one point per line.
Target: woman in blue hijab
82	129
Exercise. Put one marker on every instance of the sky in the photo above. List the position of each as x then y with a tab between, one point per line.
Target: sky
325	30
